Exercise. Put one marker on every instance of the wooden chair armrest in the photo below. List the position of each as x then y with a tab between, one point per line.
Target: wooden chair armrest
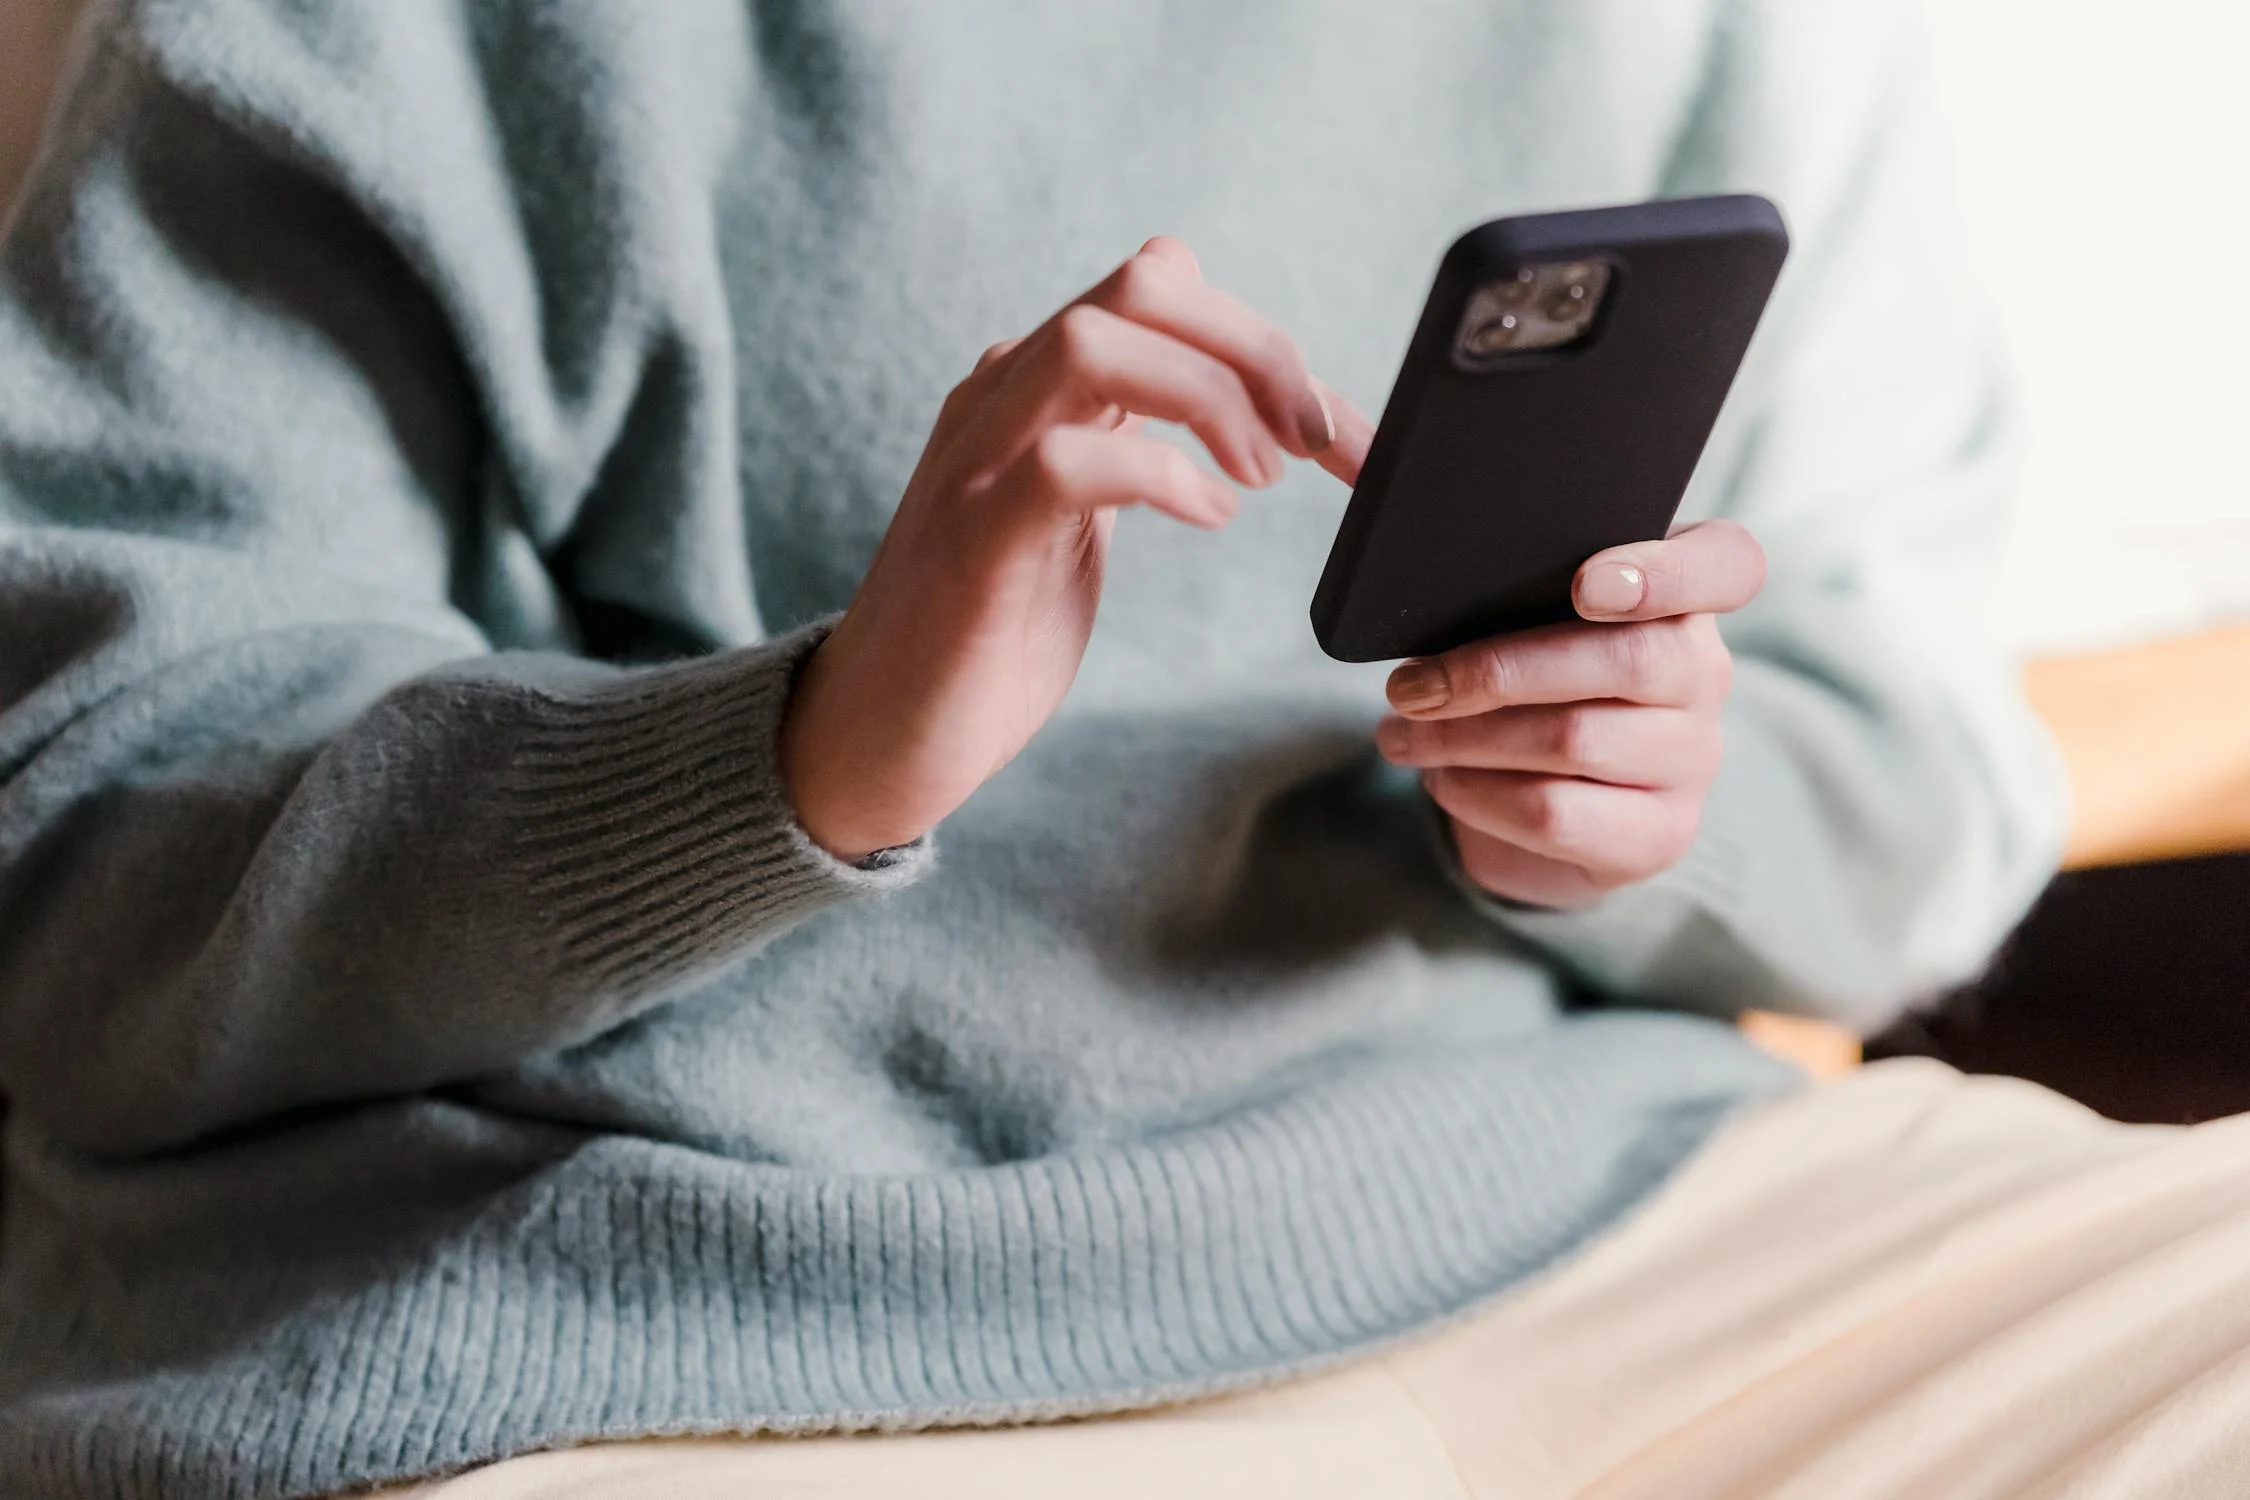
2155	739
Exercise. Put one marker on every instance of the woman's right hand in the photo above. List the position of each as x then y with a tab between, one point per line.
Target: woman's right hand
972	619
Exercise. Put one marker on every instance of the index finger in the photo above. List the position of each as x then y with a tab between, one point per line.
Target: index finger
1661	663
1163	288
1711	567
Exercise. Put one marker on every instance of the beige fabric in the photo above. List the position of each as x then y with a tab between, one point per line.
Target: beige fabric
1905	1283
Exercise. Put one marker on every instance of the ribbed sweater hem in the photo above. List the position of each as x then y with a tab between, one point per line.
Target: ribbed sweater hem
625	1287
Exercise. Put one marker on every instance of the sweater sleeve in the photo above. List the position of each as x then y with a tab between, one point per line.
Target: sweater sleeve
1888	806
293	349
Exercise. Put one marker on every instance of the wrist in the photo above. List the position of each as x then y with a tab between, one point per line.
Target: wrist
821	758
806	767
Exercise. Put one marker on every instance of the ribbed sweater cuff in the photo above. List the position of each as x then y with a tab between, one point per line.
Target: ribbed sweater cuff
653	826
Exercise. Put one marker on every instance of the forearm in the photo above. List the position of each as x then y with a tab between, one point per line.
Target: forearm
344	859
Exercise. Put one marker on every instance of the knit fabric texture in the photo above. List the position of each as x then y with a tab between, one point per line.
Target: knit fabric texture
432	435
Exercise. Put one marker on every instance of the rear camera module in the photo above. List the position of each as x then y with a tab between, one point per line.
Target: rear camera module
1531	308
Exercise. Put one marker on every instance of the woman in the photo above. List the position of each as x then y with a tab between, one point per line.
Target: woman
480	975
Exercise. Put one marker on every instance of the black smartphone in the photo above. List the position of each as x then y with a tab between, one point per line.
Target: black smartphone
1560	387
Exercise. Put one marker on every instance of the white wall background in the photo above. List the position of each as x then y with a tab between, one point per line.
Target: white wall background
2104	162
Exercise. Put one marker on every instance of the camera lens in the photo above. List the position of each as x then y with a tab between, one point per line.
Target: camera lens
1568	305
1494	335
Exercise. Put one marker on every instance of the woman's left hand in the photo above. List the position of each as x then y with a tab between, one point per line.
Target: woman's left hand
1575	759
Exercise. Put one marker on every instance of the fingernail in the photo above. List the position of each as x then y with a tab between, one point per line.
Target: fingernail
1390	738
1316	424
1611	589
1419	686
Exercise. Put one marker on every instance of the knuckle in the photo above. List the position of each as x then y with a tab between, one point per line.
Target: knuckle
1437	740
1628	866
1078	334
1733	553
1177	473
1550	814
1215	385
1633	652
1666	571
1660	842
1480	674
1754	559
1140	280
1574	734
1050	456
1740	537
1671	652
993	354
1504	675
1602	879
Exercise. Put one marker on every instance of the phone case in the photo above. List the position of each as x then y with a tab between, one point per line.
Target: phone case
1488	484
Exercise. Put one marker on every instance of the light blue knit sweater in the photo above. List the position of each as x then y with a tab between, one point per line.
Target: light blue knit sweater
430	434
